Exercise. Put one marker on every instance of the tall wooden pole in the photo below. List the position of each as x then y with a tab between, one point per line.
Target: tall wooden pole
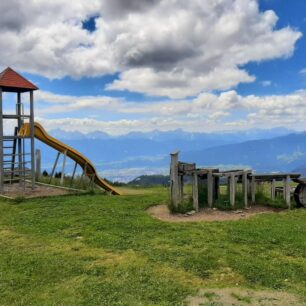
174	180
210	189
232	190
195	191
21	163
253	188
287	191
245	188
32	139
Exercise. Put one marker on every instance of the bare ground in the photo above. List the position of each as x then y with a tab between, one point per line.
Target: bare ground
15	190
239	296
161	212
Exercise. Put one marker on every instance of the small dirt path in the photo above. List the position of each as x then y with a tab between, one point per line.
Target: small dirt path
240	296
161	212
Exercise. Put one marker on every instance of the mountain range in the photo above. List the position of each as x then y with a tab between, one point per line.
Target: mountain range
122	158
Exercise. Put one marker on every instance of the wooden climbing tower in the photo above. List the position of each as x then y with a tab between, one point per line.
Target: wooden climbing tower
17	153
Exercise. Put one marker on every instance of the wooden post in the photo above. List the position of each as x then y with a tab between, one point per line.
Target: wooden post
210	189
245	188
1	142
32	139
195	192
273	189
21	164
38	163
174	180
287	191
63	168
232	190
253	189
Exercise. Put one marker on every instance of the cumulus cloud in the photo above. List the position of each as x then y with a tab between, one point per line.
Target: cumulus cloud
204	113
159	47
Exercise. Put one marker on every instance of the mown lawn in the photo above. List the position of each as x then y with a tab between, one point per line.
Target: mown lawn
101	250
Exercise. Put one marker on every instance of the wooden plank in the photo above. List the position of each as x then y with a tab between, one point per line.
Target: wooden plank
245	188
195	192
182	167
228	174
210	189
232	190
277	176
174	180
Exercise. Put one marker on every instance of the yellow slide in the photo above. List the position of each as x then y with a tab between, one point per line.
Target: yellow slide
89	169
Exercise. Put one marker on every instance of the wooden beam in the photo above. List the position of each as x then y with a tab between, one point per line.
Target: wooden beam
232	190
32	139
253	190
210	189
245	188
195	192
21	164
174	180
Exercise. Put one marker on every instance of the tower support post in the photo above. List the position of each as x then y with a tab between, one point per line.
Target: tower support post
32	139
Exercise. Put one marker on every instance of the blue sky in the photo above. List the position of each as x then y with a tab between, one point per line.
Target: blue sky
130	66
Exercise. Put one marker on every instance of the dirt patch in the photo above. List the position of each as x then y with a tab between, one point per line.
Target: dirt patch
239	296
15	190
161	212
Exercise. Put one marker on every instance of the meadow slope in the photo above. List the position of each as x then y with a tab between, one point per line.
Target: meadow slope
101	250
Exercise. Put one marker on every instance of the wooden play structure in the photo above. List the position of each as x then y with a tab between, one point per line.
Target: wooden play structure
17	146
211	178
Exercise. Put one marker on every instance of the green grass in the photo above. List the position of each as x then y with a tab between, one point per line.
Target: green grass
101	250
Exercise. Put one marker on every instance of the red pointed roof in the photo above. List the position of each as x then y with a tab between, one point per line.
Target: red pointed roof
12	81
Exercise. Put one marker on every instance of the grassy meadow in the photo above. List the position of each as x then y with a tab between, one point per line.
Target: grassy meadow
106	250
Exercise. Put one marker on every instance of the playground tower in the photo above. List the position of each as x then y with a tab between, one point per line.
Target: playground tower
17	157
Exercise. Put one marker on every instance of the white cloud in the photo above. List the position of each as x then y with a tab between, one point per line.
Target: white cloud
207	112
303	71
165	48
